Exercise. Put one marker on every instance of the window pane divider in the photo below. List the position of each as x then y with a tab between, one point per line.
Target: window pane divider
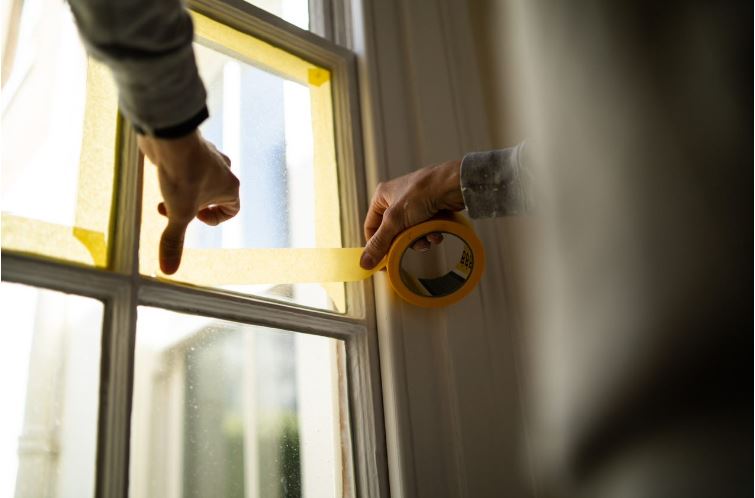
62	277
243	309
116	387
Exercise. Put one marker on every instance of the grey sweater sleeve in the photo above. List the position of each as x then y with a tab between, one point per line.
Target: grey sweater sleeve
147	45
496	183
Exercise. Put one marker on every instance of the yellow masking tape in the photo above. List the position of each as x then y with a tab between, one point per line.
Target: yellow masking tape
213	267
473	260
254	51
217	267
87	241
70	243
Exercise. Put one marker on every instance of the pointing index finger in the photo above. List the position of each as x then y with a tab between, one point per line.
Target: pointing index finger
171	246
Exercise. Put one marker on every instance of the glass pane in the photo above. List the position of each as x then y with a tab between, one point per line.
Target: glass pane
294	11
271	113
50	366
224	409
59	114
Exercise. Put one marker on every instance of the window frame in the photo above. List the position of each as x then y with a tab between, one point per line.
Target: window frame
122	288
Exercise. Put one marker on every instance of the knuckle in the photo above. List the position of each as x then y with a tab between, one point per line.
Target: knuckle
377	240
172	247
172	239
394	216
390	217
379	191
234	182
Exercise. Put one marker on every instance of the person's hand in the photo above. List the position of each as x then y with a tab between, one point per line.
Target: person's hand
406	201
195	180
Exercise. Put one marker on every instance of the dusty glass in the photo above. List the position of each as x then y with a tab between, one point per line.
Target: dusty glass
225	409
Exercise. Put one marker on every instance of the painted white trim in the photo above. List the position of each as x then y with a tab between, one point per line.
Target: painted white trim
450	384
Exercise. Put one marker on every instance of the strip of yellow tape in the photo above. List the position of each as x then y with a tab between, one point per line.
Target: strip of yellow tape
218	267
214	267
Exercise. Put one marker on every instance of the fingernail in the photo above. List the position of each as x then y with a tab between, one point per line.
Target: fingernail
169	267
366	261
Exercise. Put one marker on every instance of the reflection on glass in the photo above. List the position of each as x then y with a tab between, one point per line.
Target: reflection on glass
58	134
224	409
271	113
294	11
49	363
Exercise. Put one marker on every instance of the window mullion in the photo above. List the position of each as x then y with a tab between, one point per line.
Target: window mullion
127	206
366	413
119	324
116	386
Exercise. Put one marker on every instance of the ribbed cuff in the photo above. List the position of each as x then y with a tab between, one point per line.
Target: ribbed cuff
178	130
493	183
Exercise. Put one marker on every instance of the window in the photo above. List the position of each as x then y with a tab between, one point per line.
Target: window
187	385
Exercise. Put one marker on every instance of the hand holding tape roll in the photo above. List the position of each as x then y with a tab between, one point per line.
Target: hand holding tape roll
463	256
414	282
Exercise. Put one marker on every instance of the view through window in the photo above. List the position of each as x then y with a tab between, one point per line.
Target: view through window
49	362
224	409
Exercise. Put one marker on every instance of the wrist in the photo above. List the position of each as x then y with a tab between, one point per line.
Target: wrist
450	177
176	158
177	130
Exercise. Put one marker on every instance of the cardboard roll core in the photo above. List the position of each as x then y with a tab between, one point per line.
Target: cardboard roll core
446	273
440	270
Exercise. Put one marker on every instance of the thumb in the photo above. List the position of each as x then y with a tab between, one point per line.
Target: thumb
171	246
380	242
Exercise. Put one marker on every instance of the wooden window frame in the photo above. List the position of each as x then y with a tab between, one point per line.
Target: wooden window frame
122	288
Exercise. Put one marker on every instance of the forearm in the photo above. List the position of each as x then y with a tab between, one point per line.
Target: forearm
148	46
496	183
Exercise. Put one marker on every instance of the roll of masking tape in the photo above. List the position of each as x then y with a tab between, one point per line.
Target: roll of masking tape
442	278
461	261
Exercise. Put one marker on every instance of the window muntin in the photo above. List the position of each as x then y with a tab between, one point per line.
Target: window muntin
59	113
272	114
49	362
225	409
